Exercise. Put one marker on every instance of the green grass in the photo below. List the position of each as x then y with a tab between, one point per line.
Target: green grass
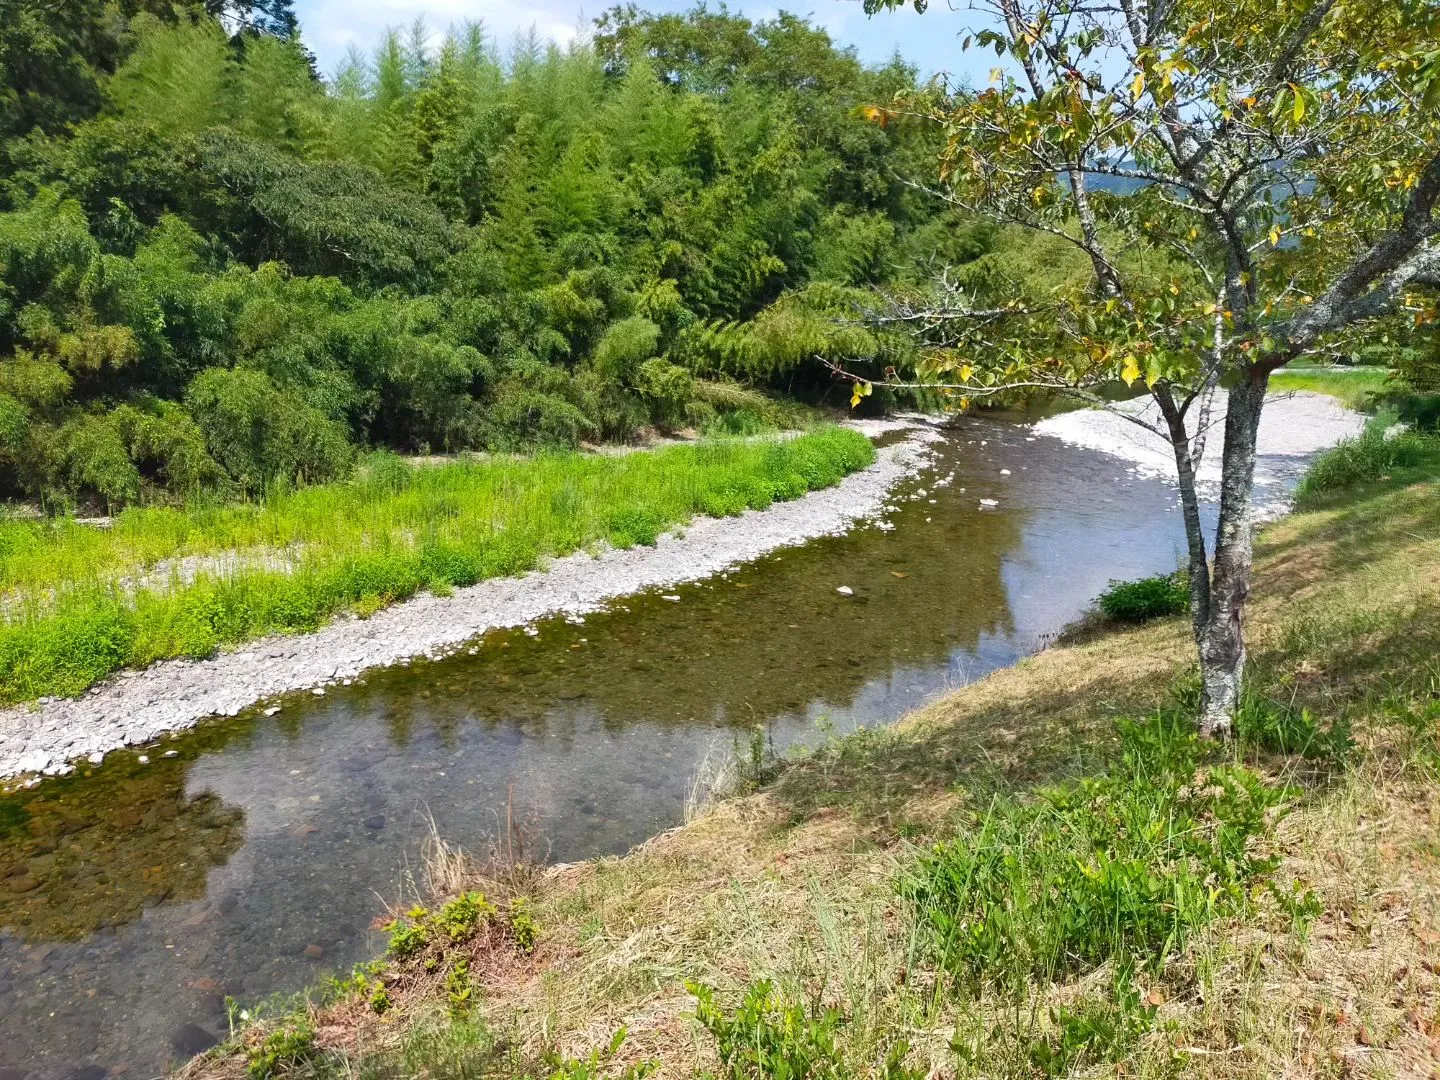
360	545
1118	869
1357	388
1368	457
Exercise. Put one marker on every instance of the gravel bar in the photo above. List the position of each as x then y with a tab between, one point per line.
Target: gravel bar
136	707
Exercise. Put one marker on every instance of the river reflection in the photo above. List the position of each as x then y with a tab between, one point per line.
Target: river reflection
255	858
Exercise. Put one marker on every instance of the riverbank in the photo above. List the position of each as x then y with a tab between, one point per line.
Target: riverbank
136	707
1294	427
809	905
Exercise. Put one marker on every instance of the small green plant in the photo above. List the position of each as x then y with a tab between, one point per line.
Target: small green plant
289	1046
1148	598
408	936
1092	1031
522	924
755	763
458	988
1286	728
770	1036
461	917
597	1064
379	1000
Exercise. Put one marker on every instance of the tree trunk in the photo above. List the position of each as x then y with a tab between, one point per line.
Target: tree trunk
1221	642
1219	589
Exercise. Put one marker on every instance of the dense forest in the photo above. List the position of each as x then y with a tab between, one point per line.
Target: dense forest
219	270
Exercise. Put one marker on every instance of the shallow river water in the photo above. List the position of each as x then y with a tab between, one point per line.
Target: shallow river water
255	858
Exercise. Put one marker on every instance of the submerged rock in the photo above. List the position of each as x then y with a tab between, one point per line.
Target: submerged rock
192	1039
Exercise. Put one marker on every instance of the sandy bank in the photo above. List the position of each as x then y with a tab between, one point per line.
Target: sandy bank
136	707
1295	426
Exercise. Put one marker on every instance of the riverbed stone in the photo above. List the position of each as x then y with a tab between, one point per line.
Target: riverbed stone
375	822
191	1039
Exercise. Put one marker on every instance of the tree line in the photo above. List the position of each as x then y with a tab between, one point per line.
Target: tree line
219	270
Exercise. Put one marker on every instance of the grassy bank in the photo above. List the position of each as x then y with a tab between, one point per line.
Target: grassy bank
1042	874
1357	388
82	602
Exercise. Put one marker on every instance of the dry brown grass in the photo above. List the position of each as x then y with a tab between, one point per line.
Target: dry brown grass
796	883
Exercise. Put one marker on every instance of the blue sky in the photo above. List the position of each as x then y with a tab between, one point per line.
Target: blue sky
929	41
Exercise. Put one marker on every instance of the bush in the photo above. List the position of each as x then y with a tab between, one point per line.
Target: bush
290	1047
1117	869
1146	599
262	434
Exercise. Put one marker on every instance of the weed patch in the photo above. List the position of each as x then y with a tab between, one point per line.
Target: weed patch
1121	868
1373	455
768	1036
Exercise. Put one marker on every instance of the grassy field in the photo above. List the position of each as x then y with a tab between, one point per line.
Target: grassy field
77	602
1357	388
1042	874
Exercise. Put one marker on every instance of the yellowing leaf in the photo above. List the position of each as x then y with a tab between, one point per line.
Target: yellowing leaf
1274	235
965	372
1299	110
1138	86
1130	369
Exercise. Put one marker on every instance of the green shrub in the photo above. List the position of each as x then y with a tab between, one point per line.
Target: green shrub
65	653
410	935
522	924
1146	599
1120	868
461	917
262	434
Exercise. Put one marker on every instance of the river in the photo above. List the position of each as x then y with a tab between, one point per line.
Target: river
252	856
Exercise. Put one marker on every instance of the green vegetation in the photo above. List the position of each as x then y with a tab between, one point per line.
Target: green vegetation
289	1047
1145	599
1358	388
359	545
1377	453
768	1036
219	272
1119	869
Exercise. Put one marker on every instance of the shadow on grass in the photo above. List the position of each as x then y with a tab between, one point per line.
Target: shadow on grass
1023	727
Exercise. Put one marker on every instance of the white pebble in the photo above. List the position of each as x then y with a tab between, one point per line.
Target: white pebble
845	590
1004	472
96	758
989	502
272	710
143	759
671	597
319	691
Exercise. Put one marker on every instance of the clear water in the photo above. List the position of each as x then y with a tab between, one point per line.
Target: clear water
255	859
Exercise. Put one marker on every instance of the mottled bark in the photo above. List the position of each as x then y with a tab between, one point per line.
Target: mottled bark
1222	643
1220	586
